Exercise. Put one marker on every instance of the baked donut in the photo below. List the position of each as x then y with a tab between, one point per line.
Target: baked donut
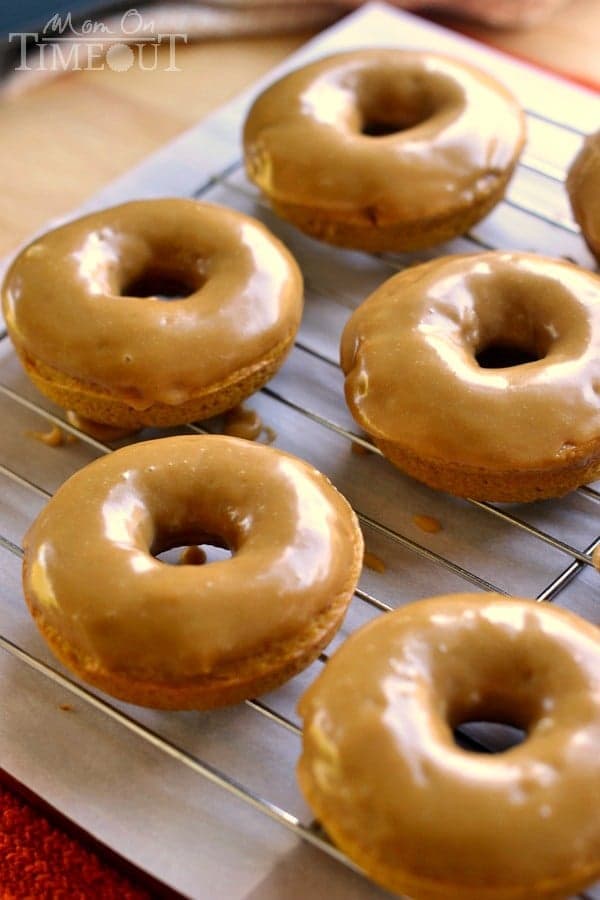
422	817
188	636
583	186
384	149
480	375
82	308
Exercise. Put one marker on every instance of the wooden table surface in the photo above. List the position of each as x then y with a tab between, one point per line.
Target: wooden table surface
66	136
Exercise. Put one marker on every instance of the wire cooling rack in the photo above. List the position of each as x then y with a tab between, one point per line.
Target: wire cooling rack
541	550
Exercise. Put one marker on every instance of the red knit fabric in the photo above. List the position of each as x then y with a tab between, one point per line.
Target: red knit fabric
39	861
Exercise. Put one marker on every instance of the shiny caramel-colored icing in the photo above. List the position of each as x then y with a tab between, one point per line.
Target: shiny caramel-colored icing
66	300
373	562
243	422
428	524
192	556
54	437
412	377
312	138
583	186
96	589
98	430
424	817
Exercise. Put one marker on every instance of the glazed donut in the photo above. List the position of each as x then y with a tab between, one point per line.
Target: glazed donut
188	636
384	149
422	817
480	375
81	306
583	186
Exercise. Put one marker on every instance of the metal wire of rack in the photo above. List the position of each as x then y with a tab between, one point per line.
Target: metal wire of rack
579	559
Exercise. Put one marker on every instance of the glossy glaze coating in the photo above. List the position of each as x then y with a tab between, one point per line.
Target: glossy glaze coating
382	771
409	355
458	132
66	304
243	423
583	185
91	577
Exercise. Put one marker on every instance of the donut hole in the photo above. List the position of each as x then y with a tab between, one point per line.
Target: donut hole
387	117
379	127
512	336
478	736
512	323
199	550
495	706
515	341
500	355
162	284
388	105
